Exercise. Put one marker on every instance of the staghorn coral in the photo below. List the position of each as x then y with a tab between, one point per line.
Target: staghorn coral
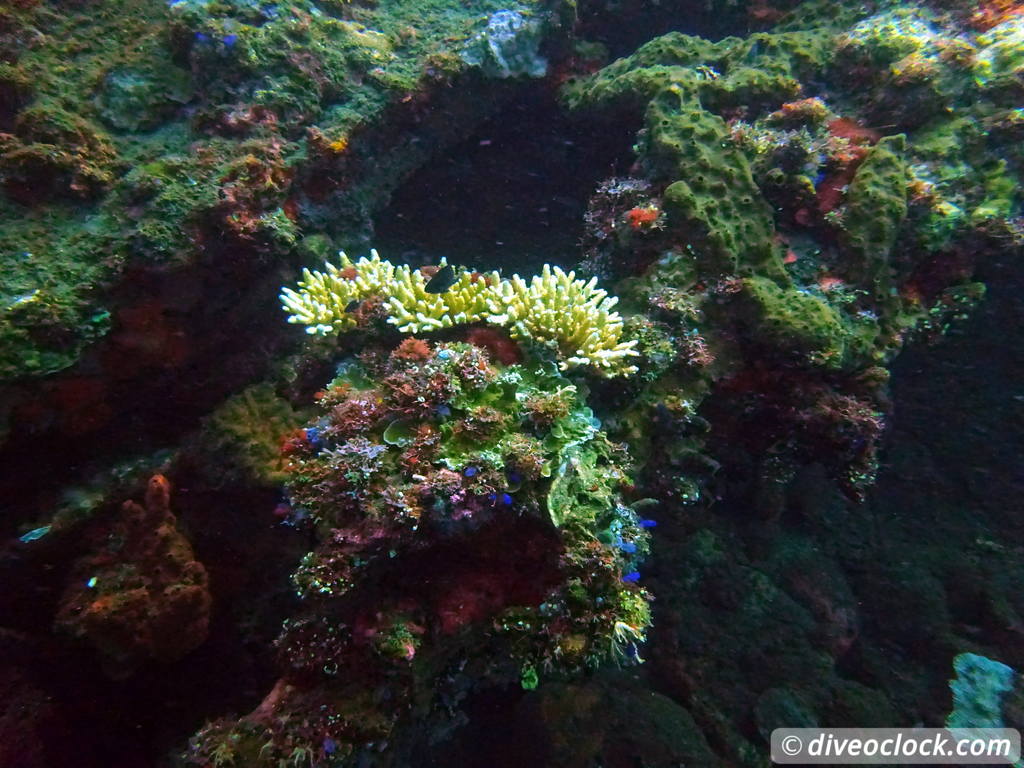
577	318
323	297
573	317
414	310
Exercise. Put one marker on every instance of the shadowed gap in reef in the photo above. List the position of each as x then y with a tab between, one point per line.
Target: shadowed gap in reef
511	196
622	26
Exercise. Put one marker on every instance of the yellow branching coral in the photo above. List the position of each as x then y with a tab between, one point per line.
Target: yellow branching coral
323	298
573	317
556	309
414	310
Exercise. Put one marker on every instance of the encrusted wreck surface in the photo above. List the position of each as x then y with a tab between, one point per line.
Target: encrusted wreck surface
479	521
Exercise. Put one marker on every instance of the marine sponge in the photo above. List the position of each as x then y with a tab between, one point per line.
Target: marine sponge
573	317
876	205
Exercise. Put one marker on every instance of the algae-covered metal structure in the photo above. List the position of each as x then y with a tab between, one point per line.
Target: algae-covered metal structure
680	404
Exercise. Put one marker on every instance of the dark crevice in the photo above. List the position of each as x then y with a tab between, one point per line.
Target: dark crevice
512	196
625	25
147	384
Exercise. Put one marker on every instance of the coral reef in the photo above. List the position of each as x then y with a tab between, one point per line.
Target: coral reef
459	505
164	137
141	595
554	309
513	489
788	233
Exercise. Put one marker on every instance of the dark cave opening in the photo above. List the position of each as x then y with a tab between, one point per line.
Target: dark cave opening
511	196
625	25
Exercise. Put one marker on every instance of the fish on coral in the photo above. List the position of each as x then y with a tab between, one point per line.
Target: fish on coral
573	318
443	279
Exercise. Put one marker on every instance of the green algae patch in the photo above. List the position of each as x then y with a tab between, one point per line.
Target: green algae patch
797	324
54	264
243	437
140	96
875	209
761	70
713	202
681	83
1000	192
1000	62
716	202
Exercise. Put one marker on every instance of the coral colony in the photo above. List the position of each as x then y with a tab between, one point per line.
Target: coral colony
572	316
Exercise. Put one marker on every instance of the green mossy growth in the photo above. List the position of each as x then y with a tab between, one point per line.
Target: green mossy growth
712	199
797	324
876	204
154	134
54	153
53	260
141	95
715	202
1000	192
242	439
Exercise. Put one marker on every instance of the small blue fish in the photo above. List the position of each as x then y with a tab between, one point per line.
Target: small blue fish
631	577
627	546
34	535
330	746
506	499
648	523
443	411
230	40
470	471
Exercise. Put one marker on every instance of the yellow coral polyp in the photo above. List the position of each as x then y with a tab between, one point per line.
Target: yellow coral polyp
573	317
